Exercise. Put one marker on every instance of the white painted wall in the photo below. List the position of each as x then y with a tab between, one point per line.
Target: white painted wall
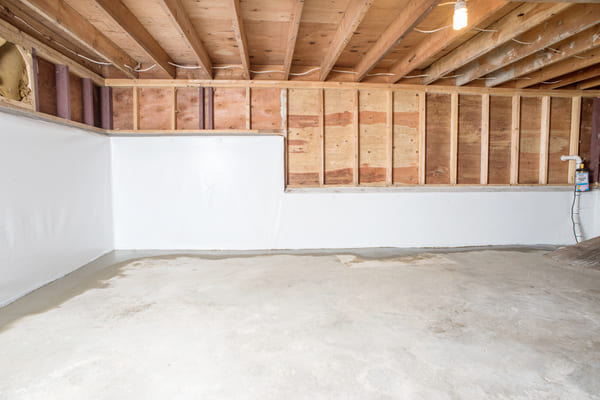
55	202
227	193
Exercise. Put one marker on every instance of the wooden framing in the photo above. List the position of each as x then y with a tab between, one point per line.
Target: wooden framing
106	108
574	135
174	108
589	84
395	32
389	126
569	79
63	92
210	93
356	137
556	29
136	109
248	108
515	139
119	13
201	107
179	16
485	139
544	140
292	36
72	24
594	164
422	136
321	137
584	41
240	36
482	10
453	138
355	12
513	24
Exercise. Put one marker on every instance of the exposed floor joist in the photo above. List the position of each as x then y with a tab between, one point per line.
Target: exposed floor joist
515	23
573	77
292	36
556	29
240	36
414	13
355	12
482	10
588	39
182	22
119	13
71	23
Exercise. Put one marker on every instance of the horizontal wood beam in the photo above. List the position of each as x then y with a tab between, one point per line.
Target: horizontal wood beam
353	16
414	12
558	28
592	83
240	36
582	60
121	15
14	35
510	26
479	13
184	25
157	83
586	40
292	36
68	21
573	77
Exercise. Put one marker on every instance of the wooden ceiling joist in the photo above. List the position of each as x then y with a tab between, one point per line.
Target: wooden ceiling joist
480	12
292	36
413	14
68	21
120	14
182	22
556	29
240	36
586	40
574	77
510	26
582	60
354	14
589	84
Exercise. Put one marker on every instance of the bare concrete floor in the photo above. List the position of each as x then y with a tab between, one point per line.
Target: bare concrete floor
380	324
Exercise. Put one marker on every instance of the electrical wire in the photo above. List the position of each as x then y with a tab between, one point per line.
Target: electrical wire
551	82
575	196
520	42
433	30
138	69
485	30
185	66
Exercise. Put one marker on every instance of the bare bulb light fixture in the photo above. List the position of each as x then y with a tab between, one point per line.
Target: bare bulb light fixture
460	15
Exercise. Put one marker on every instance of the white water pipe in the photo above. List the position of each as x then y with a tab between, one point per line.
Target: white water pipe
568	158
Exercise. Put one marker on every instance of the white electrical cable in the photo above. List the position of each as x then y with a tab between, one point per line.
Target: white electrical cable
306	72
485	30
433	30
382	74
185	66
520	42
138	69
415	76
551	82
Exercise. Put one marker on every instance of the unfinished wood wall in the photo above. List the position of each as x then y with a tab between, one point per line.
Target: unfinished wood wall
381	137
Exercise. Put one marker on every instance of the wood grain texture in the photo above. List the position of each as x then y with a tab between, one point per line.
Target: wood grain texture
188	108
122	108
560	130
339	137
154	108
373	111
500	134
230	108
529	140
265	108
303	137
585	129
469	139
47	87
76	98
406	138
438	139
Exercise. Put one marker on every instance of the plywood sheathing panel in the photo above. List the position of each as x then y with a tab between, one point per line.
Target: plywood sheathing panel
529	145
406	138
585	132
76	98
339	155
304	145
438	139
47	87
188	108
500	134
265	111
122	108
560	127
372	136
230	108
469	139
154	108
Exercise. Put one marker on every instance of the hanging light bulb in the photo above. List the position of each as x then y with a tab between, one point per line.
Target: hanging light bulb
460	15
